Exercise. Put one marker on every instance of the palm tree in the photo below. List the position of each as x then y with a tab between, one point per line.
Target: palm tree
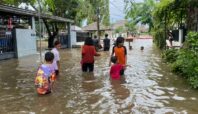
141	12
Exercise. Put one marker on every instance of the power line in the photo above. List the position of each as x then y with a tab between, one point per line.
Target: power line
115	6
116	15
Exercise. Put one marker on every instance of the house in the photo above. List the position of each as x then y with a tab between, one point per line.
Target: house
92	29
119	29
18	31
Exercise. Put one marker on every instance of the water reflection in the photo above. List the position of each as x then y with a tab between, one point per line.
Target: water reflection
147	88
119	91
89	82
121	96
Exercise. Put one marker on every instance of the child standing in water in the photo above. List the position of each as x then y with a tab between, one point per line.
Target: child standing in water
88	53
116	69
56	61
45	76
142	48
120	52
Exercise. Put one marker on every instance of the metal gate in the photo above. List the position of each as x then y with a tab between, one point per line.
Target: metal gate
64	40
6	45
81	36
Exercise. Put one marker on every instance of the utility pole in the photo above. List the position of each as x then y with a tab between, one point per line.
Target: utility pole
40	29
98	23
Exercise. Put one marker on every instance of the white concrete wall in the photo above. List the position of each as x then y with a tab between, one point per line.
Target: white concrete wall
73	38
25	42
180	37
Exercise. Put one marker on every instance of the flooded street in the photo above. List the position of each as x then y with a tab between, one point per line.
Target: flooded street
147	88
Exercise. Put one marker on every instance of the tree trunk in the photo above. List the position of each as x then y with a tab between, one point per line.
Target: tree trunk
50	42
192	18
51	33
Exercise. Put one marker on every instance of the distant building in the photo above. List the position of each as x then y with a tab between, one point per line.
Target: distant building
115	28
92	29
19	39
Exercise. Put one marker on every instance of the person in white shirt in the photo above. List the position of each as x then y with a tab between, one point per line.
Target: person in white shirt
56	61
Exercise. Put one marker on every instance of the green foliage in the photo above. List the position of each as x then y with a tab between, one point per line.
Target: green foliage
78	10
140	12
88	10
185	60
170	55
159	38
119	30
17	2
171	13
191	41
131	27
187	65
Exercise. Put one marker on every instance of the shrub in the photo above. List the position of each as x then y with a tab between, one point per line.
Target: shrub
170	55
185	61
159	38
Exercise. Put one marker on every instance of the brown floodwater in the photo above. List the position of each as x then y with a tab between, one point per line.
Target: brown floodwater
148	86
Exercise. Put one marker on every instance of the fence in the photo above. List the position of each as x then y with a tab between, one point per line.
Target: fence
6	42
81	36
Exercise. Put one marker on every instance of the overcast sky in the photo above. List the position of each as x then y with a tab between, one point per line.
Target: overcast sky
117	9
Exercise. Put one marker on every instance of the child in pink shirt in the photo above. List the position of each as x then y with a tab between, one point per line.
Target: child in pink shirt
116	69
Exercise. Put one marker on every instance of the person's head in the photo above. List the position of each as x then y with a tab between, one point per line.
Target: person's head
106	35
169	32
88	41
142	48
57	44
114	59
49	57
120	41
95	36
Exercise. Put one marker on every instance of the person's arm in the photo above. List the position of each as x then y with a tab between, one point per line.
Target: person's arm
52	79
95	53
58	64
110	71
111	56
58	61
125	51
125	59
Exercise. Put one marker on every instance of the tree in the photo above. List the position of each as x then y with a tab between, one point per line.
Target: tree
119	29
17	2
192	15
88	10
140	12
77	10
62	8
131	27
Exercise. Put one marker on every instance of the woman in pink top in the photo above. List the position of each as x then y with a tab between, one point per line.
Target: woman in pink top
116	69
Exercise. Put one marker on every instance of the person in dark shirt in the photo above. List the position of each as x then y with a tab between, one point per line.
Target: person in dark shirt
106	43
96	42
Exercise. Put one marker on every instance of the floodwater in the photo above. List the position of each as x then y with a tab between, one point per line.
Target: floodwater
147	88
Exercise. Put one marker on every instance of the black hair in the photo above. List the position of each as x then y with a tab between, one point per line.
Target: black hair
106	35
114	59
119	40
88	41
142	47
95	36
56	43
49	56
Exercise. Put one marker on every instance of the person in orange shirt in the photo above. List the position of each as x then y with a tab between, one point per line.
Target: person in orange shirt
88	53
120	52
